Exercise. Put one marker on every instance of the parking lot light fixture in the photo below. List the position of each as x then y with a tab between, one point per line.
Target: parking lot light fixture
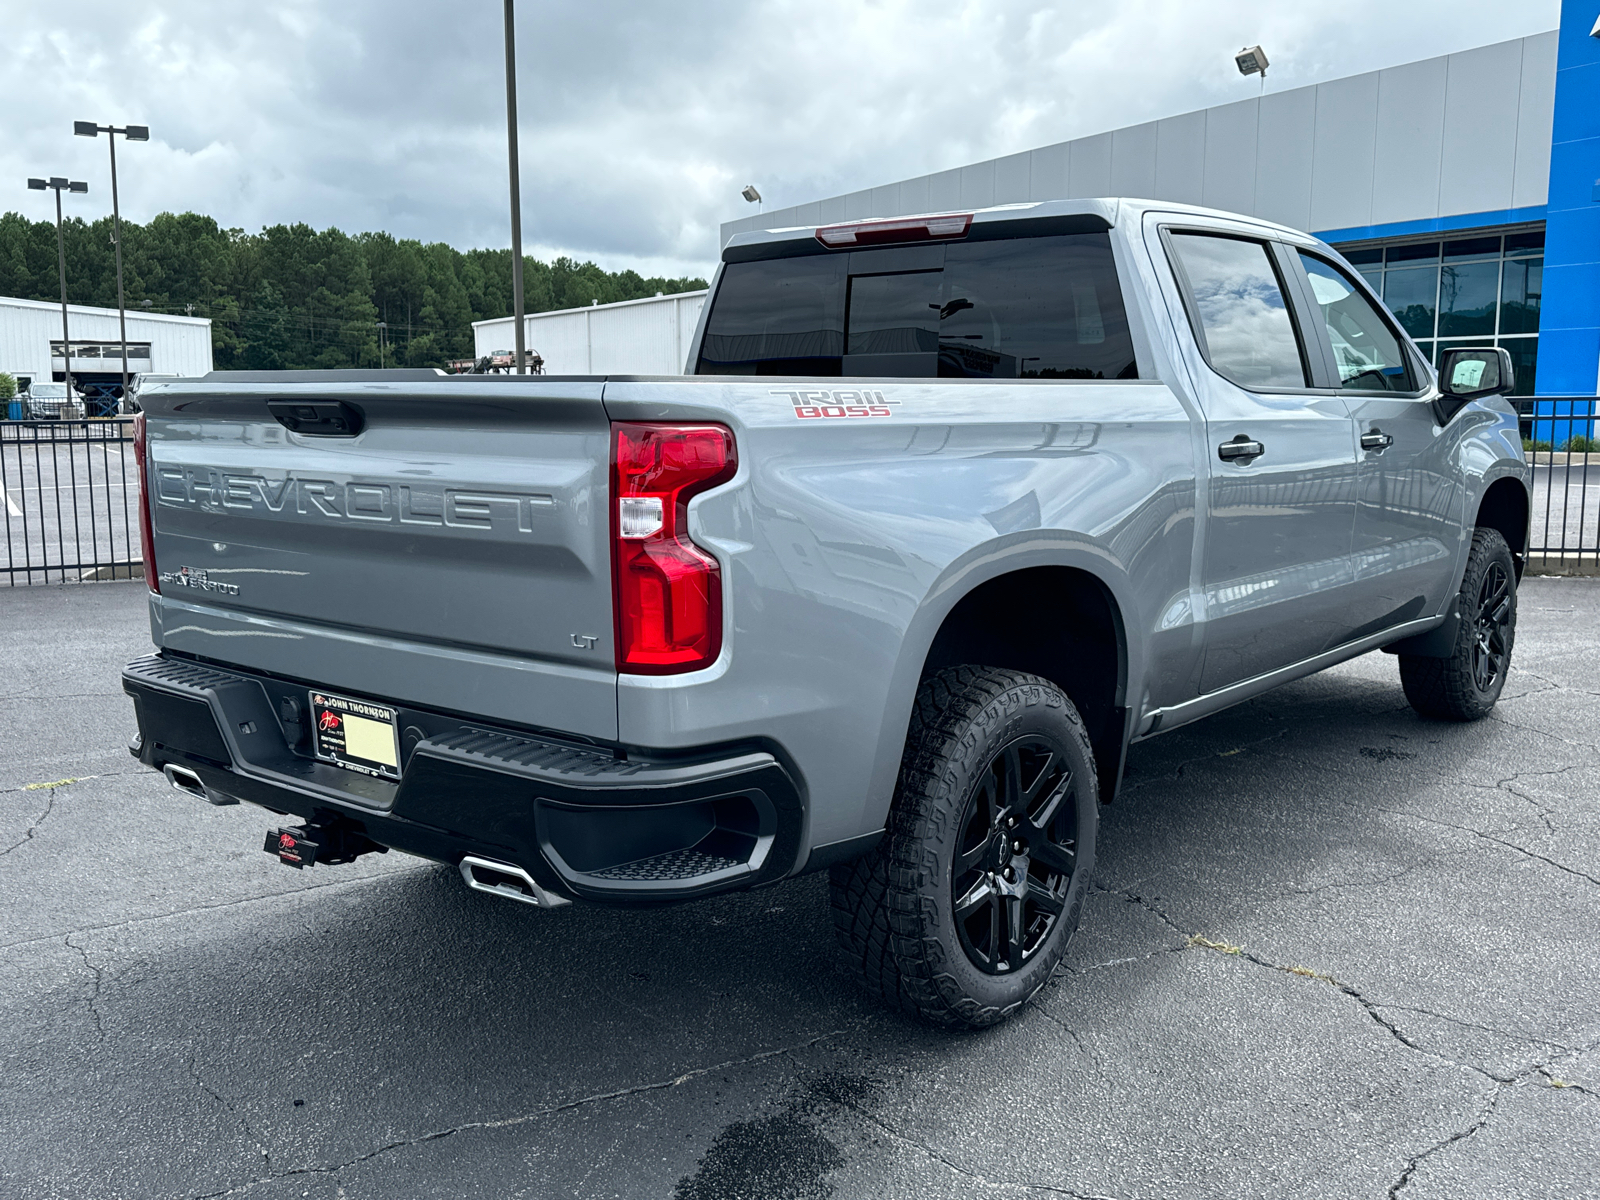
58	185
1252	60
133	133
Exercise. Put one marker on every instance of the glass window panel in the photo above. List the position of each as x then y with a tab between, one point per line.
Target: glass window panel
1428	351
1369	354
1410	295
1249	336
1524	353
779	317
1468	298
1034	308
1374	280
1372	254
1525	243
894	314
1479	247
1414	253
1520	288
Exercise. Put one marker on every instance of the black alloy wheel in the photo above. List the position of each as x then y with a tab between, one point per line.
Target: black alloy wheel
966	907
1464	685
1490	647
1019	851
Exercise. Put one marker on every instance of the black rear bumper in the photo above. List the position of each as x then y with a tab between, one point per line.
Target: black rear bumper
584	821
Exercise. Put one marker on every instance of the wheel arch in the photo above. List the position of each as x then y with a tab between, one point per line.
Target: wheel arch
1029	585
1505	506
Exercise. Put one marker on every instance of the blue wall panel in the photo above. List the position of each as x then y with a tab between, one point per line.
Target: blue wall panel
1569	321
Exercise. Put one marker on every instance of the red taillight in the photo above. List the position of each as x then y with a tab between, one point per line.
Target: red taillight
900	229
147	538
668	590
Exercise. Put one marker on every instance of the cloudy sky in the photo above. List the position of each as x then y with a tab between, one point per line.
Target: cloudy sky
639	120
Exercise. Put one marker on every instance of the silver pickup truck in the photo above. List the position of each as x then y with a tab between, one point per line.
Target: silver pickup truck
947	512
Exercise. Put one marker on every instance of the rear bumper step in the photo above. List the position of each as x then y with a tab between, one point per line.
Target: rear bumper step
574	820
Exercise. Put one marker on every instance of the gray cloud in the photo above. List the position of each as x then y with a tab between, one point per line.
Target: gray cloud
639	121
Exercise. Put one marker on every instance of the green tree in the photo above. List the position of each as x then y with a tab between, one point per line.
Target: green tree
291	296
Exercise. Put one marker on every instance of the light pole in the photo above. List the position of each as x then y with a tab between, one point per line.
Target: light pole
382	334
134	133
516	183
58	185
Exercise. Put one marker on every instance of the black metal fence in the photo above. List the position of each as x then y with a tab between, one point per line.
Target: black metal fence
69	500
1558	438
69	494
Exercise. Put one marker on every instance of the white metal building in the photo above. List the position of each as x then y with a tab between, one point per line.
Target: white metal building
632	337
159	343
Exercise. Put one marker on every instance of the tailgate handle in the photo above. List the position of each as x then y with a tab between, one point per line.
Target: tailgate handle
317	418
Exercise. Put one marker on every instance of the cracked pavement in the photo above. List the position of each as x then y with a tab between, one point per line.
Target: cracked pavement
1332	951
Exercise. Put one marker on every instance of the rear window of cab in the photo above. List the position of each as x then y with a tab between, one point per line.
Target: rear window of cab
1012	308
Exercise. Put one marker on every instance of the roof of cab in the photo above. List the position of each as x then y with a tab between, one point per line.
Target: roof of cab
1110	210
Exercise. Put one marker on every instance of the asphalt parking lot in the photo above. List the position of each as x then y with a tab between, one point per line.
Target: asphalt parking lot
1334	951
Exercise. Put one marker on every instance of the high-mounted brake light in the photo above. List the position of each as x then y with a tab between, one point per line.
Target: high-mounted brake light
900	229
668	590
147	539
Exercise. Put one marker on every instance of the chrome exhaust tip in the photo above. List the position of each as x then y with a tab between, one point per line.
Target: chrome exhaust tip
186	781
504	879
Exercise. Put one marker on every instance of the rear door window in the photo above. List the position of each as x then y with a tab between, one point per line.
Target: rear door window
1239	311
1016	308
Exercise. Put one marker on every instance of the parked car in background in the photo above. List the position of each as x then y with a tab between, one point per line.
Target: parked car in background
949	511
51	402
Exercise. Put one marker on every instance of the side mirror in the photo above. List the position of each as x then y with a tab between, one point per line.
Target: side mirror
1468	375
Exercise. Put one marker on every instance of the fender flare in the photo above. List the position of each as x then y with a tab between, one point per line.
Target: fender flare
980	565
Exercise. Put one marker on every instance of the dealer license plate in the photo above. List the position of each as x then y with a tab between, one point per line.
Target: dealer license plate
355	735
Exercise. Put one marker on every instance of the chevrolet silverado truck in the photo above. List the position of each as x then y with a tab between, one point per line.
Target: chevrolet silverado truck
946	512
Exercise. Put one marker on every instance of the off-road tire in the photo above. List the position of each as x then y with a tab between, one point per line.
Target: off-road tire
1453	688
894	909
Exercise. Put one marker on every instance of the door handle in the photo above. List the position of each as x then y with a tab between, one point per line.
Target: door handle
1242	448
1376	440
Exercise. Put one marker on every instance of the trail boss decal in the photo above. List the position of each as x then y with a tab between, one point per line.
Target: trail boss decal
811	404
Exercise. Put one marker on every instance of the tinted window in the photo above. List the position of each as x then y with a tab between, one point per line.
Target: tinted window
1520	291
1467	298
1367	351
892	323
1410	295
1021	308
780	317
1248	335
1034	308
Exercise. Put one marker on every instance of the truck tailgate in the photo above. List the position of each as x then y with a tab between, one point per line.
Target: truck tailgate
466	516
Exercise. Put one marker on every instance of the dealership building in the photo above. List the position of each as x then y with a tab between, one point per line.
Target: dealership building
1466	188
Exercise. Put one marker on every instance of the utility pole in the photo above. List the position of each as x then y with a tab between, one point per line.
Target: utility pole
516	183
58	185
134	133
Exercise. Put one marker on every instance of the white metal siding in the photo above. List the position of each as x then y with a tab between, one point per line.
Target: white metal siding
1459	134
178	345
1283	192
634	337
1535	107
1230	174
1342	156
1411	101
